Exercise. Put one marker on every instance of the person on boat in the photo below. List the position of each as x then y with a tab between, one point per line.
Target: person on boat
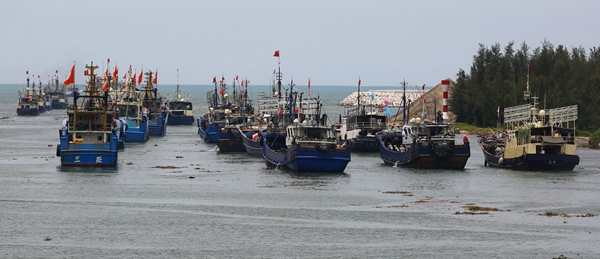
390	147
465	138
65	128
402	148
396	148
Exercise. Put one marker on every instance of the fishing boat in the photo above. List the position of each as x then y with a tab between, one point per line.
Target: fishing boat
155	105
27	104
57	95
304	144
218	102
359	126
423	144
180	108
241	113
87	138
534	139
44	103
132	113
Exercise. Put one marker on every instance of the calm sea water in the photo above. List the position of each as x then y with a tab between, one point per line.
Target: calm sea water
212	205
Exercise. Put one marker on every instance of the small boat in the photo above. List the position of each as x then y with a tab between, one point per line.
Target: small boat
155	105
180	108
306	145
423	144
534	140
28	104
87	138
131	112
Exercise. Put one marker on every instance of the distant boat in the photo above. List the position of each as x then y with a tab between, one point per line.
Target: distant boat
423	144
211	122
241	112
534	140
180	108
157	111
305	145
28	104
359	126
87	138
57	96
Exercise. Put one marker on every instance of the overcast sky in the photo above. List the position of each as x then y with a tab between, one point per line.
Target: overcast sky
334	42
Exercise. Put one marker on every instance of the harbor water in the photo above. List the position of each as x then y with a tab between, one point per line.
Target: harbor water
177	197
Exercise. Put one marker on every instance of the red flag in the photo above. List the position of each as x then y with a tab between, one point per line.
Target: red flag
154	80
115	73
86	72
105	86
309	82
222	78
222	91
134	81
139	81
276	54
423	86
56	72
71	79
273	71
214	79
242	82
359	81
27	72
236	78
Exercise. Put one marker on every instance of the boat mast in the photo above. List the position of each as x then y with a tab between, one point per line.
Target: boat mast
404	102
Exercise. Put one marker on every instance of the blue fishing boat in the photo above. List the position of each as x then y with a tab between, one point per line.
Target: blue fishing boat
27	104
155	105
180	107
87	137
131	113
304	144
215	119
251	138
423	144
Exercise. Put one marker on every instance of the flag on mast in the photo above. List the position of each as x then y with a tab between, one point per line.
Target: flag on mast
115	73
71	79
154	80
276	54
105	85
139	79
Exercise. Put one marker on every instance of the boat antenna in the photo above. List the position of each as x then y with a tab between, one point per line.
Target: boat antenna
404	102
358	98
526	94
291	103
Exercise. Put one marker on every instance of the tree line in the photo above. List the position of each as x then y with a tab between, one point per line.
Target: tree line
498	78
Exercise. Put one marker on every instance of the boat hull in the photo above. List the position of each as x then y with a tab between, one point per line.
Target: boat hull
308	159
158	126
229	139
532	162
424	155
180	120
88	154
304	158
364	144
28	112
253	146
